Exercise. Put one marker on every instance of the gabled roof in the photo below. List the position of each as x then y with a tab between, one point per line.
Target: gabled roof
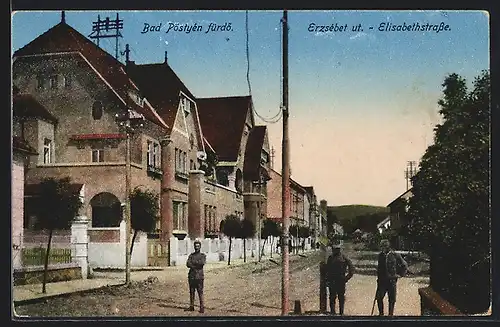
293	183
255	142
18	144
26	106
161	86
399	197
222	121
386	219
63	39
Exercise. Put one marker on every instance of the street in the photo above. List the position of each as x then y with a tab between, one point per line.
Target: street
251	289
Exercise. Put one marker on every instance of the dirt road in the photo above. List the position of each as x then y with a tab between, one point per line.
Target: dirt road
252	289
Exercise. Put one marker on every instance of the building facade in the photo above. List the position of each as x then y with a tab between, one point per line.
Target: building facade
203	167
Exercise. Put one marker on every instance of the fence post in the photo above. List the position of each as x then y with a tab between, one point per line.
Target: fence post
79	240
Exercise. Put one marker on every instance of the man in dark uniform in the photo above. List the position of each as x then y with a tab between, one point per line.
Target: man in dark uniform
387	276
339	270
195	263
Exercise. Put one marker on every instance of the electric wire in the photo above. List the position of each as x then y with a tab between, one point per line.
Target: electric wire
276	118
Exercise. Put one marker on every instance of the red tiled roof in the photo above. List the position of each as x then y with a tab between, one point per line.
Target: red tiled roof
161	86
97	136
25	105
222	121
253	153
293	183
34	189
62	38
18	144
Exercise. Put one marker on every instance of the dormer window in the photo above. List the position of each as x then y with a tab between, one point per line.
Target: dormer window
264	158
186	105
136	97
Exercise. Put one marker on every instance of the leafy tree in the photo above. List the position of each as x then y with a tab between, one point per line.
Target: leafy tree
144	207
304	232
58	206
247	230
231	227
271	229
449	211
294	231
331	219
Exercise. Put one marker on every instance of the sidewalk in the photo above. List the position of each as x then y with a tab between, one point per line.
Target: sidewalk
26	293
115	277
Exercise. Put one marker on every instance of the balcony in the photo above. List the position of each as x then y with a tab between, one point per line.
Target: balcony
154	172
183	176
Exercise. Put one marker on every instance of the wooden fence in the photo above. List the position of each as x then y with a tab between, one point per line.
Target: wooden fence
36	256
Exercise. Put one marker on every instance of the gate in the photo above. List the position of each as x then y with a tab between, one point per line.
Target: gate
158	253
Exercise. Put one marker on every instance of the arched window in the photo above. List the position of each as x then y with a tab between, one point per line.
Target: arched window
106	210
97	109
239	180
222	177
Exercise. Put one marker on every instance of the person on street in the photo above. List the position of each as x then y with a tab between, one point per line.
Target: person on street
339	270
195	263
391	265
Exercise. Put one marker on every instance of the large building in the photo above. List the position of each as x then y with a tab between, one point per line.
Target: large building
203	167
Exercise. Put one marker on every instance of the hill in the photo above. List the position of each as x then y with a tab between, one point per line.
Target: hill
349	212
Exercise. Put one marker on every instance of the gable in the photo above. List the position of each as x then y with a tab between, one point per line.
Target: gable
222	121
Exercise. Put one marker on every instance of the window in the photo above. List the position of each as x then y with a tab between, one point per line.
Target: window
156	155
153	154
47	151
53	81
40	82
191	165
67	81
181	161
180	214
97	109
186	105
98	155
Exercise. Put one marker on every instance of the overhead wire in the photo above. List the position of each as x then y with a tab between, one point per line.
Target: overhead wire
276	117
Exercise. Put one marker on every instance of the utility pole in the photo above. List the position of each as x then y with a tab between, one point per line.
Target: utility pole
110	27
259	235
129	122
410	171
285	189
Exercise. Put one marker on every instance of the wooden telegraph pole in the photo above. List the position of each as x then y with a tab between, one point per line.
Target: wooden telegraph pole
285	169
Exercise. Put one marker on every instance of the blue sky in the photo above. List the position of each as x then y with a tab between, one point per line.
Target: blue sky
362	103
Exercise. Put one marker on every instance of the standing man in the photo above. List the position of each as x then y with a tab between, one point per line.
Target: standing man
195	263
339	270
391	265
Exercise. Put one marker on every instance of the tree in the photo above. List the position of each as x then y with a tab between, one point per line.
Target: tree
231	227
247	230
294	231
331	219
271	229
304	232
58	206
449	211
144	207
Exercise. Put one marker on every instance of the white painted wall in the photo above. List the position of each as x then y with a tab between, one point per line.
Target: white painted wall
112	254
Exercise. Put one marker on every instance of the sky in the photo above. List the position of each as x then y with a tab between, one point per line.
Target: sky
362	101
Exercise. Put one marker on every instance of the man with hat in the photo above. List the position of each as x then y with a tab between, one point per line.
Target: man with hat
195	263
339	270
391	265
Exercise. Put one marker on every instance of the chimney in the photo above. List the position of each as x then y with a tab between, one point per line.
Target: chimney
127	52
166	56
63	16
